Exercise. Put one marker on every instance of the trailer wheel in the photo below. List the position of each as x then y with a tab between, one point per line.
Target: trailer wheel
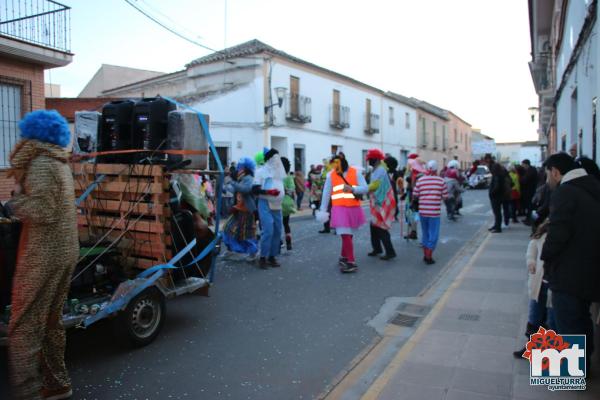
142	320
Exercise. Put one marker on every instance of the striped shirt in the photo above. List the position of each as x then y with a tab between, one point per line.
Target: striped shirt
430	190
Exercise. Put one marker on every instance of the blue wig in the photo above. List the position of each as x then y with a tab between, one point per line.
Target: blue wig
46	126
247	164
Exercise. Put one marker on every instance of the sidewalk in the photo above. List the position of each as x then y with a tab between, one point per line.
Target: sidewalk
462	347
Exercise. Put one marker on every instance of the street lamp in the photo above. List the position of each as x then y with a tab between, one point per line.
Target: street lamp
532	112
280	92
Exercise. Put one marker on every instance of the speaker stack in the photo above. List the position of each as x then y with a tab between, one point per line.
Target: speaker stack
148	125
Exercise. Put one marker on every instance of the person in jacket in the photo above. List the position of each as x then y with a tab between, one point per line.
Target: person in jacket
382	206
540	310
316	181
571	253
451	177
415	168
430	191
343	186
394	174
239	232
288	207
515	193
497	192
327	167
44	202
268	185
528	186
300	187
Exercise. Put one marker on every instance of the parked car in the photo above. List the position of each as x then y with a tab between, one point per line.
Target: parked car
481	178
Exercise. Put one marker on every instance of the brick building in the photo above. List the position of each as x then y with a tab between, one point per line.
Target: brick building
30	42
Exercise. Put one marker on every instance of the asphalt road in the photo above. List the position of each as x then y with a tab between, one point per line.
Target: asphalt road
278	334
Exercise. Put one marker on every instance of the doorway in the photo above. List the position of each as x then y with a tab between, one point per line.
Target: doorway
299	158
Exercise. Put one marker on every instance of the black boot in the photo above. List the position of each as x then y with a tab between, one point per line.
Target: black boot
530	330
288	242
385	238
262	263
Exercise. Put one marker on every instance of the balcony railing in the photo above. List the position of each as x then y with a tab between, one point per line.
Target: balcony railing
42	22
339	116
372	123
298	108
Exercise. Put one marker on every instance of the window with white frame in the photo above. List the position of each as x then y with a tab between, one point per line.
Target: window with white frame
391	111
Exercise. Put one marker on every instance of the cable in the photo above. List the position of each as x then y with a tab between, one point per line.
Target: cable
170	29
157	11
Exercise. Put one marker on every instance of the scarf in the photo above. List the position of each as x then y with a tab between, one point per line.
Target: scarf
27	150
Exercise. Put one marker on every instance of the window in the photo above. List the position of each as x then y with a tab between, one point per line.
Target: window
10	114
299	158
444	139
294	94
391	110
455	135
336	106
223	152
335	149
403	158
368	111
434	135
407	120
423	132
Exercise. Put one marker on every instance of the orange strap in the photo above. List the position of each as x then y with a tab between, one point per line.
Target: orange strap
113	152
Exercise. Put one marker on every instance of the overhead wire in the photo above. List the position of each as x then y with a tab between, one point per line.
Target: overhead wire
173	31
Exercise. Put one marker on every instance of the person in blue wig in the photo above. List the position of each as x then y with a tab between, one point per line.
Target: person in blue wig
44	202
239	233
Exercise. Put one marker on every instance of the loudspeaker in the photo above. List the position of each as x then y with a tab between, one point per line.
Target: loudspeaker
150	124
115	130
185	133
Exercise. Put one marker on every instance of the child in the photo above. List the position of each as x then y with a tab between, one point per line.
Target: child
540	314
288	206
239	233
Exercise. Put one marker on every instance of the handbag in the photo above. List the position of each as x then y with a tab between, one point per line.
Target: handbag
358	197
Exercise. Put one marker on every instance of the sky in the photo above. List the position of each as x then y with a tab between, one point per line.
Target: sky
467	56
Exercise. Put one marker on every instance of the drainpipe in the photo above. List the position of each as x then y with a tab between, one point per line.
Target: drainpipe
266	99
381	118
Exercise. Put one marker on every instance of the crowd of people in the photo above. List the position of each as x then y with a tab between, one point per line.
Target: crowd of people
264	193
561	204
512	192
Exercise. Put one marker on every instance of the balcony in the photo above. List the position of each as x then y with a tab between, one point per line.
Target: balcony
298	108
38	30
372	123
339	116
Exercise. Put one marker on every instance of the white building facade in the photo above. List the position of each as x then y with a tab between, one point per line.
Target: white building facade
323	112
515	152
565	59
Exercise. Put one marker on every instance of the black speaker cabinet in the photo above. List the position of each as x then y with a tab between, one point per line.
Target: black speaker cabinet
150	124
115	130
